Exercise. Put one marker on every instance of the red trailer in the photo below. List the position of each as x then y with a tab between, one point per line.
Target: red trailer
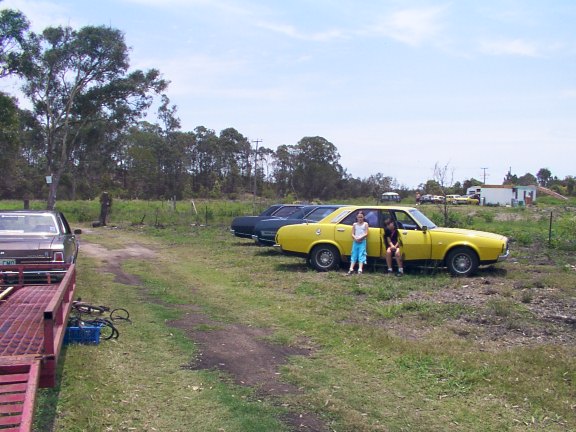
33	321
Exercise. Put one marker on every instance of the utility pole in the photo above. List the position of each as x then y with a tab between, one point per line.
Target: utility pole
484	169
257	141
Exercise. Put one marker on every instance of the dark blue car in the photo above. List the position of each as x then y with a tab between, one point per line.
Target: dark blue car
243	226
265	230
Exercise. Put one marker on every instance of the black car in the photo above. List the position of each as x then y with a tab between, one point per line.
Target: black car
243	226
29	238
265	230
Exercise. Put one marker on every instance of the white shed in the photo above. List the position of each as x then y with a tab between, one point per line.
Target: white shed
504	194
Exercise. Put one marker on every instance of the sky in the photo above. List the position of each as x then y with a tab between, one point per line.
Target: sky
397	86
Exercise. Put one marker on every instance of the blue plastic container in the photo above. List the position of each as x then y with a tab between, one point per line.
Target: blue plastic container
87	335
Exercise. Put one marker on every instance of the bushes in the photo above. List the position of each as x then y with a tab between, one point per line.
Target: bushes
563	232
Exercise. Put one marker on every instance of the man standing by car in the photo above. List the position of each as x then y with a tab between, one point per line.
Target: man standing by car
392	243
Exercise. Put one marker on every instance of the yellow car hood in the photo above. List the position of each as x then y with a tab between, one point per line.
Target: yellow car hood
468	233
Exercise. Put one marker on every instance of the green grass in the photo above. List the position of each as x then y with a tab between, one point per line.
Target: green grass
384	354
524	226
140	381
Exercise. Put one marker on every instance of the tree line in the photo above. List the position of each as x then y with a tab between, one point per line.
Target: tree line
85	133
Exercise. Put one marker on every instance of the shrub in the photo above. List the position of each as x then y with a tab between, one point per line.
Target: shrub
564	234
486	215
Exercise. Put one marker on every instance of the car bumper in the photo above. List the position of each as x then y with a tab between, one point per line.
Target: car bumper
504	256
31	277
262	241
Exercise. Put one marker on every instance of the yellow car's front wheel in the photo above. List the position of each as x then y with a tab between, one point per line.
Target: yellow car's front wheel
462	261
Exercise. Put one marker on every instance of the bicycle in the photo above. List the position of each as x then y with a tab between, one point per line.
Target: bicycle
86	314
107	329
116	314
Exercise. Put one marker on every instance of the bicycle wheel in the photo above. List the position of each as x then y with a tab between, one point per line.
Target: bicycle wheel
107	329
120	314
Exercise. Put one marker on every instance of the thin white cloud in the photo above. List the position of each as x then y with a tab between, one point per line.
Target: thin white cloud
229	7
413	27
212	77
41	14
192	67
568	94
293	32
513	47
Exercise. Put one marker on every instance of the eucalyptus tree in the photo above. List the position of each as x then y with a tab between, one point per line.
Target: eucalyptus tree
544	176
203	160
77	78
13	42
9	137
173	158
377	184
283	170
317	171
234	160
142	147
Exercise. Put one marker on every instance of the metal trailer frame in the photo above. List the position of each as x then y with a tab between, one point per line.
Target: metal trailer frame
33	321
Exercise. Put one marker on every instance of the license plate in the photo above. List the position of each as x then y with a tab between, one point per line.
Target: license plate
8	262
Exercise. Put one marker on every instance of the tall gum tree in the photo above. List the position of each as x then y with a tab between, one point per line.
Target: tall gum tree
13	42
76	78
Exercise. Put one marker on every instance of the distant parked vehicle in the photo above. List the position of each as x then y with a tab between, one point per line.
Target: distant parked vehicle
390	197
36	237
459	199
426	199
265	230
243	226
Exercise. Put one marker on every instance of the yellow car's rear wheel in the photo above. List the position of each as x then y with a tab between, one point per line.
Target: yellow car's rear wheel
325	258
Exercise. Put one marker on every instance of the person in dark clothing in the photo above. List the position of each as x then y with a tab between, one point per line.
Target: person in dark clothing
105	207
392	244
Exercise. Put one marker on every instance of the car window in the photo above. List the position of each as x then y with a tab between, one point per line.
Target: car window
286	211
42	224
404	221
270	210
298	214
319	213
370	215
27	224
65	228
339	216
10	223
422	219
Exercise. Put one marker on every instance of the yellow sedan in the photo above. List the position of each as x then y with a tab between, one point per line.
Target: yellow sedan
460	199
328	243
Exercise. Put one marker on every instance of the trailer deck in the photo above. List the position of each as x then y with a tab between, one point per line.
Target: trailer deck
32	324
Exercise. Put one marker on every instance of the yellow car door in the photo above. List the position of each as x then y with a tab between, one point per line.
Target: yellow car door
343	236
343	232
416	244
